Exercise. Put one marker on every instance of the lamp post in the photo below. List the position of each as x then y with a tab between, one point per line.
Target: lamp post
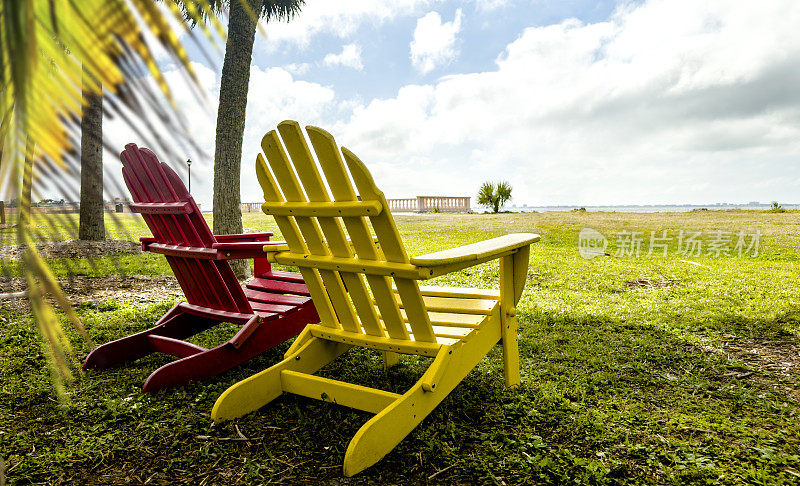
189	166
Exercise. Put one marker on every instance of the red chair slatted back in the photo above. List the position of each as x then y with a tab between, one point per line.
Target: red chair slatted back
205	282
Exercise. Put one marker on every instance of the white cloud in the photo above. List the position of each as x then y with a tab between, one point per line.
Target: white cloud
489	5
276	96
349	57
434	42
667	101
340	18
298	69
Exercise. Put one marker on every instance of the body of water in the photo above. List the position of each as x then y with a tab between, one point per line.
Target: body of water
643	209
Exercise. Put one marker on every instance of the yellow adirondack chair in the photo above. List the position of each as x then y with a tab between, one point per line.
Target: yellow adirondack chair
350	281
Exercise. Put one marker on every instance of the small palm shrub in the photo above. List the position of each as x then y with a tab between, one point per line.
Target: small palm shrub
494	195
776	208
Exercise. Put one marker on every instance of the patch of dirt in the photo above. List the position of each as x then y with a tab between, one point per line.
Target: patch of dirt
73	249
777	356
82	289
652	283
139	288
772	363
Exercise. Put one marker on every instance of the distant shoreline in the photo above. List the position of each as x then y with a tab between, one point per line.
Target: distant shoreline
655	208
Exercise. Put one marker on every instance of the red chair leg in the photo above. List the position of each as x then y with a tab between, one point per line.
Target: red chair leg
225	356
117	352
175	324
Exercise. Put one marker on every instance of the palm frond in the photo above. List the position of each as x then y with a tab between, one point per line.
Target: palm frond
280	9
503	192
486	194
45	46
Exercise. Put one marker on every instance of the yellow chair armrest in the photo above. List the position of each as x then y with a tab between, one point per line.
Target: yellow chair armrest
446	261
275	246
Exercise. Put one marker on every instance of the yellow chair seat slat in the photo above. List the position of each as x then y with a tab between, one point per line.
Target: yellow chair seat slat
366	289
464	292
322	209
449	330
443	335
456	305
404	346
450	319
452	332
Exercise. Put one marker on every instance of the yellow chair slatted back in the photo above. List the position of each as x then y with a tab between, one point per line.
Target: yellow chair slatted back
316	211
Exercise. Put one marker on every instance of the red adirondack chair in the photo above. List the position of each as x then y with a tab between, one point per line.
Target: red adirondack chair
273	307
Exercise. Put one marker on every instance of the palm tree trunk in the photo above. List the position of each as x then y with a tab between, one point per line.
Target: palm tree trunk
230	125
92	224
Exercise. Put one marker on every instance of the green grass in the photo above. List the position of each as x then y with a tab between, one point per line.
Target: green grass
620	385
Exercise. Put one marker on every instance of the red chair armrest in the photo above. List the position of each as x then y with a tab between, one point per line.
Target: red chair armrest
243	237
185	251
248	246
146	241
242	249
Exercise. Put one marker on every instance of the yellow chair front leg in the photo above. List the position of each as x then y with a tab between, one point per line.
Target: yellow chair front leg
390	359
258	390
391	425
299	341
513	273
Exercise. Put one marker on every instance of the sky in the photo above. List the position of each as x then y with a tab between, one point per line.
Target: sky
573	102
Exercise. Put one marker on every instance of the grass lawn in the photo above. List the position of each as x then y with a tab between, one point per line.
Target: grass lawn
646	369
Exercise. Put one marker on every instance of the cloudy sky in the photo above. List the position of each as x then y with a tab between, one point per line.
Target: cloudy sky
574	102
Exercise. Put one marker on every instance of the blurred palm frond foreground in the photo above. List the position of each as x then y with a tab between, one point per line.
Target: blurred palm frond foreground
53	53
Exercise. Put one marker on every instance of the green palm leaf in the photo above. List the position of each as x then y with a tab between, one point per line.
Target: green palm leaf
45	47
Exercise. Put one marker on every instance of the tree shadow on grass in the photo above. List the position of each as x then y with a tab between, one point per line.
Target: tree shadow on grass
602	401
